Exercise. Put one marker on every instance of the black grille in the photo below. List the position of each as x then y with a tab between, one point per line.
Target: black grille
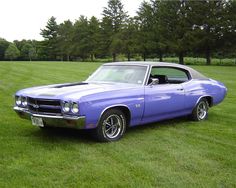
44	106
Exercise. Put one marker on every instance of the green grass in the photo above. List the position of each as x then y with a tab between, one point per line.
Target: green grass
174	153
202	61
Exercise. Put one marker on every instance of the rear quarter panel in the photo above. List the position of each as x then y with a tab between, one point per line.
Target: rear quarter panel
196	89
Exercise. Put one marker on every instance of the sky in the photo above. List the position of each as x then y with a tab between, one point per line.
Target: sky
23	19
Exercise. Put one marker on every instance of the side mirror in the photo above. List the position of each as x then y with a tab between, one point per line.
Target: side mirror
155	81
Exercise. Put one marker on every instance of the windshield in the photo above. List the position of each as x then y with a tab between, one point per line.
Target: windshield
119	73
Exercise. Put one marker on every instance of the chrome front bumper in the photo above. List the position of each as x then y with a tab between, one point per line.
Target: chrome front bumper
77	122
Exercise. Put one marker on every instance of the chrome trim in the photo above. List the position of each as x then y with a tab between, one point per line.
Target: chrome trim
189	74
42	106
146	75
149	68
76	122
201	98
20	109
16	108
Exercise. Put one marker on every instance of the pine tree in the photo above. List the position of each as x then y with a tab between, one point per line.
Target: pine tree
129	38
145	29
50	34
114	18
81	38
93	33
65	34
209	26
175	27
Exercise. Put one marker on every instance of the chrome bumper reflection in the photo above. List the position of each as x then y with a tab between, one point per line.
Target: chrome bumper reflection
77	122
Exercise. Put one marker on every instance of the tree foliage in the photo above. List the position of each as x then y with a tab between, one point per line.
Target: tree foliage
65	39
210	22
114	21
175	27
12	52
29	52
160	28
3	46
145	29
50	34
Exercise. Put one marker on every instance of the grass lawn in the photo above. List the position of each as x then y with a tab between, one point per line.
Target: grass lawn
174	153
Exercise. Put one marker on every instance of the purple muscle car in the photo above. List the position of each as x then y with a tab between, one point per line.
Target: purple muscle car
121	95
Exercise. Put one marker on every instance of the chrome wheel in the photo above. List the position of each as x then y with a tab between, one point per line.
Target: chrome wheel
202	110
112	126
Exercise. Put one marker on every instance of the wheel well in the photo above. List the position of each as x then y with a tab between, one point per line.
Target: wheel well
126	112
209	100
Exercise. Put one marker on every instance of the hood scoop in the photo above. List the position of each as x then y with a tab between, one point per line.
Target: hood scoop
72	84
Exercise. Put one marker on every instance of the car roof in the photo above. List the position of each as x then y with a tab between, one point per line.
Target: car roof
194	74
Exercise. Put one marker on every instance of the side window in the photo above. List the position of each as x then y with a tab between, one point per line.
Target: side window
169	75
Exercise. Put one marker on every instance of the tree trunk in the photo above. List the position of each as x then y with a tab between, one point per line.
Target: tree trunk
160	56
92	57
128	55
181	58
208	56
68	57
144	57
114	57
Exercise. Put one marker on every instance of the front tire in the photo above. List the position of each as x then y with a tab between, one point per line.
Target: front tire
200	112
46	128
112	126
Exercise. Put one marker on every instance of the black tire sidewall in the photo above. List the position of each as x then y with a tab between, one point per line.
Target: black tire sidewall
99	130
195	116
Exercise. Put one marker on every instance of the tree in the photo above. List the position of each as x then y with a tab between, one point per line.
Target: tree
81	38
145	29
159	46
129	38
209	25
27	48
94	30
65	35
114	18
175	27
3	46
29	51
230	27
226	44
50	34
105	36
42	53
12	52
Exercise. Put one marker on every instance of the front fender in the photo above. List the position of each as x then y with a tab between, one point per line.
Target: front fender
93	106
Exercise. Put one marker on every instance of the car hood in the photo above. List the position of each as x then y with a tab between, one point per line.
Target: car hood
73	90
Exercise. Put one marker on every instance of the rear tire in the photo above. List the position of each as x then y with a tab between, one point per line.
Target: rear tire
112	126
200	112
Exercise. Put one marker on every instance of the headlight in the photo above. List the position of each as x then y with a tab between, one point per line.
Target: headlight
18	100
66	107
24	101
75	108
